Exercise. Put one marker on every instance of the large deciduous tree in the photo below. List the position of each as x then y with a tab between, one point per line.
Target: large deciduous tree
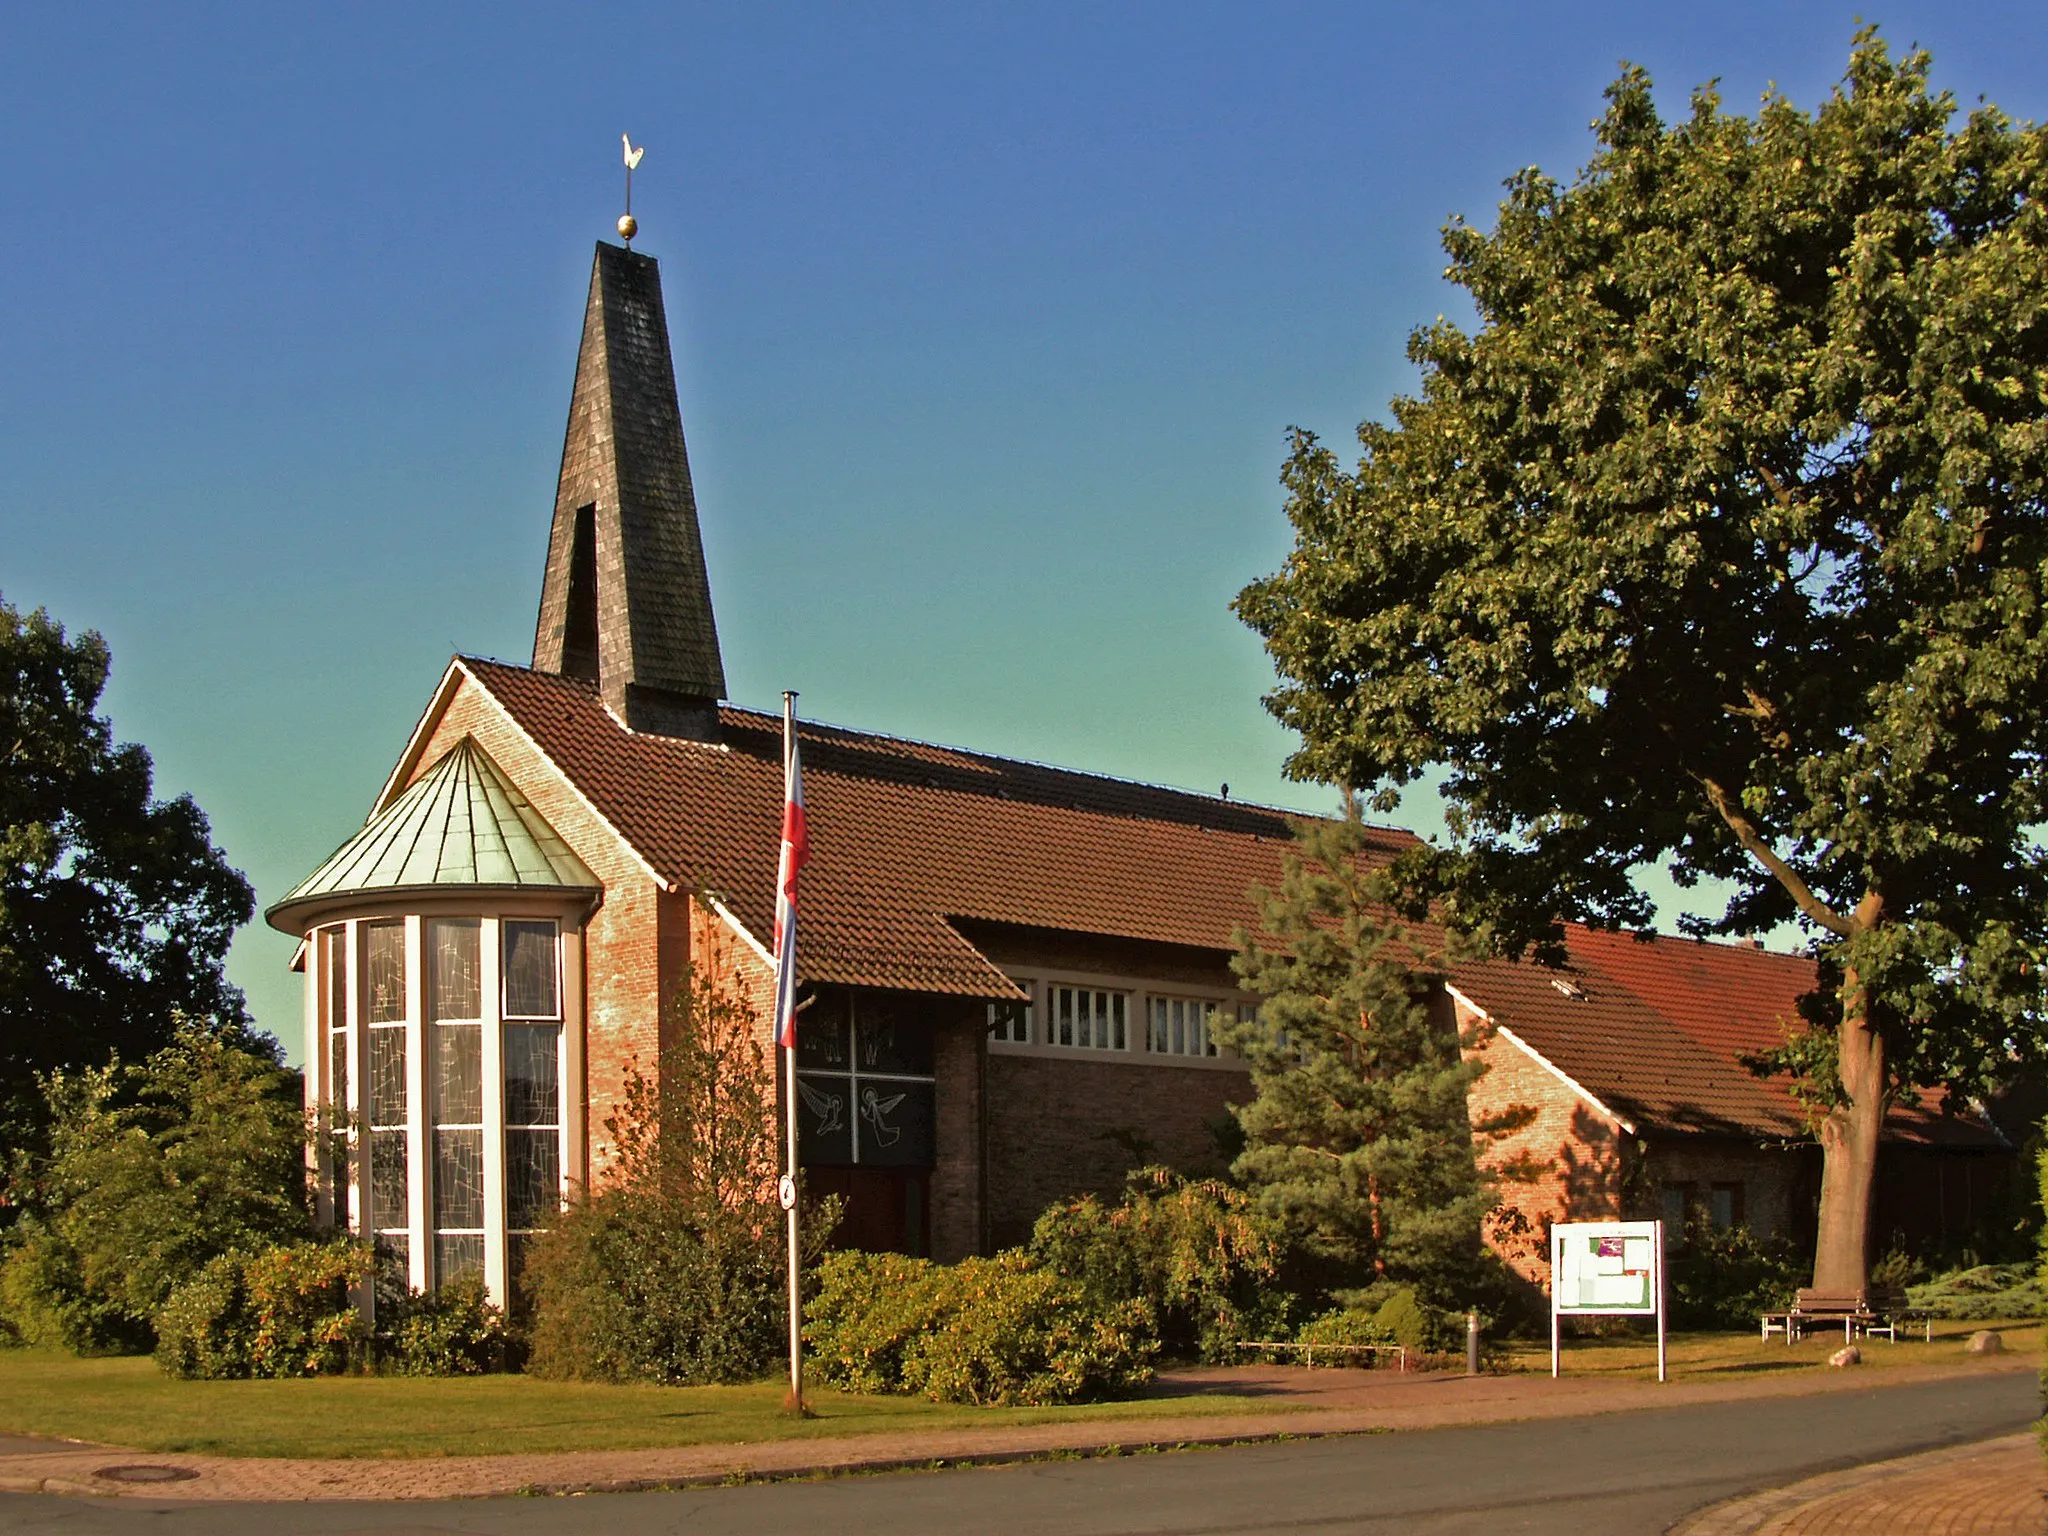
115	907
1722	540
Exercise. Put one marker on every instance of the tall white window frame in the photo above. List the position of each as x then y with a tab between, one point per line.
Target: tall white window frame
534	1084
455	1029
335	1065
382	1085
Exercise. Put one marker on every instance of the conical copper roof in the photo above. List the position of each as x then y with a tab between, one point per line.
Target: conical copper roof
459	826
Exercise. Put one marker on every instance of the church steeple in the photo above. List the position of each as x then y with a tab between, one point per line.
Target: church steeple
626	600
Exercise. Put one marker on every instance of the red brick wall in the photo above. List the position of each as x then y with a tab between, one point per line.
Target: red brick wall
1574	1152
958	1058
1054	1125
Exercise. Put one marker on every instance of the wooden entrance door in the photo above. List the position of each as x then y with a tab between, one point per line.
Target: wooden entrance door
888	1210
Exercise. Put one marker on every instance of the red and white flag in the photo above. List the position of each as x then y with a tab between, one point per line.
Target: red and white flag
796	850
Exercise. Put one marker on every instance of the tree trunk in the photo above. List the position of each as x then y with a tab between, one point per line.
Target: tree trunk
1848	1143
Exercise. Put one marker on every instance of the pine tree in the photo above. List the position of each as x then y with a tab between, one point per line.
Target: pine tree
1358	1136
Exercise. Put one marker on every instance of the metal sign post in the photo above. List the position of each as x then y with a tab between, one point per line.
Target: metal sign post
1606	1269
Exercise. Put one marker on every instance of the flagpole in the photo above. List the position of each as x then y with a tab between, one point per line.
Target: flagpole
789	1185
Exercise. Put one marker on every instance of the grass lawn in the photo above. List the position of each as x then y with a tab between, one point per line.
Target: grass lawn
1707	1356
127	1401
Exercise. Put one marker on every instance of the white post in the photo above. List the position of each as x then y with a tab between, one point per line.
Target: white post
789	1180
789	1191
1555	1247
1657	1254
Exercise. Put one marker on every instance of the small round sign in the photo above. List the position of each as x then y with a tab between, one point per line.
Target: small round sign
786	1191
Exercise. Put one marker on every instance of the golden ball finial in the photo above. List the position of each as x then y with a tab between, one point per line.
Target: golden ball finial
628	226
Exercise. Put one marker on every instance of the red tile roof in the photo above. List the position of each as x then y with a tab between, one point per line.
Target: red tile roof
907	835
1656	1028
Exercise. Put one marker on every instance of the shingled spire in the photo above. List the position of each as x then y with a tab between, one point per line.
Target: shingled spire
626	601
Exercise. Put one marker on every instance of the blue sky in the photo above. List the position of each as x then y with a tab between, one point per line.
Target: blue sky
989	323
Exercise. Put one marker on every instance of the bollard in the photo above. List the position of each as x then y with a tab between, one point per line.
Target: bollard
1471	1343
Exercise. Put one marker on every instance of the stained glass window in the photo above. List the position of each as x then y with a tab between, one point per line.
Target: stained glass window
383	972
532	1074
333	961
389	1209
533	1113
457	1253
459	1074
533	1177
387	1076
532	977
458	1178
334	968
864	1084
454	947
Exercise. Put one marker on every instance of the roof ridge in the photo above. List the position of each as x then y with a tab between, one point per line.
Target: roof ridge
1691	941
1089	775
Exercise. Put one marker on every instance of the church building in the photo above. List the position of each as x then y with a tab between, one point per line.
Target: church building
1013	969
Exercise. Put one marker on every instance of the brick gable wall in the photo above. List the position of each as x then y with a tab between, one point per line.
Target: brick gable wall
1578	1152
624	952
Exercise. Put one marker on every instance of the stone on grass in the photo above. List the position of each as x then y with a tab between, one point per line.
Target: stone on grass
1985	1341
1850	1355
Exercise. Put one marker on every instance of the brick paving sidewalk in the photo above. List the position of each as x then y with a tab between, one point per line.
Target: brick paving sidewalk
1994	1488
1329	1402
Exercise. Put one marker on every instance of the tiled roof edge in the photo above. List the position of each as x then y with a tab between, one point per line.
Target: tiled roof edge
1542	1060
740	929
574	788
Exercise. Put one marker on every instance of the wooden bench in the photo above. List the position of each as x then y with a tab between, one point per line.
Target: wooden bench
1308	1351
1873	1311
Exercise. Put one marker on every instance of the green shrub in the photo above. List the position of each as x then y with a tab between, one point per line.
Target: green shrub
673	1271
1897	1268
146	1174
1000	1330
282	1312
1196	1255
632	1286
45	1301
206	1331
1985	1293
1391	1313
869	1308
1727	1278
1402	1318
1346	1325
1017	1333
452	1331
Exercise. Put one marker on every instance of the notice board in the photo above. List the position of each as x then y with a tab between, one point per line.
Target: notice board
1606	1269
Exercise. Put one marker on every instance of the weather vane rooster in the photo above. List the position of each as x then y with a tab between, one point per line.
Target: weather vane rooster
628	225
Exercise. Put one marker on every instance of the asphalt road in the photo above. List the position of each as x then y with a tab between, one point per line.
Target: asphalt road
1611	1475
